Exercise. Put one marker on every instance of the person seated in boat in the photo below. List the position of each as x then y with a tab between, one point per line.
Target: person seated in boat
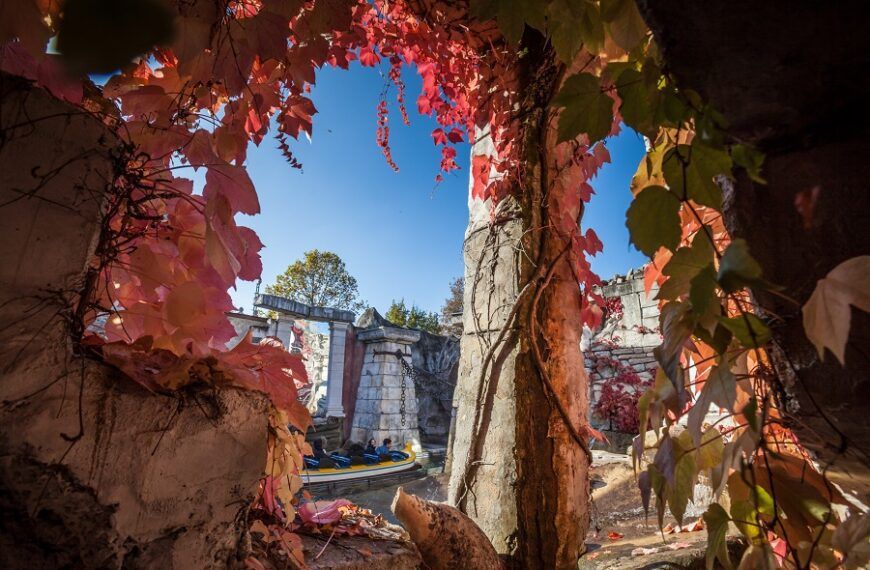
383	451
324	460
356	452
370	454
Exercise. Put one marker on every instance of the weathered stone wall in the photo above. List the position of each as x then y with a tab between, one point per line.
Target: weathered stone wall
383	388
260	327
436	362
625	340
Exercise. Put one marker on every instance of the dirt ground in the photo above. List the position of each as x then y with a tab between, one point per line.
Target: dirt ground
618	509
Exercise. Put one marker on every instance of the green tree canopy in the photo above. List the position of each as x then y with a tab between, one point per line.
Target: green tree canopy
320	279
412	318
451	306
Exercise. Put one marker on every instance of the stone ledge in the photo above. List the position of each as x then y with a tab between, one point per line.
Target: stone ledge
387	333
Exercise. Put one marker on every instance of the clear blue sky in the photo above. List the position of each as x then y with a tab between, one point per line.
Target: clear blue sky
399	234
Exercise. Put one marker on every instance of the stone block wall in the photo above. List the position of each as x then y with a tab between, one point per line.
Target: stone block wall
623	345
381	387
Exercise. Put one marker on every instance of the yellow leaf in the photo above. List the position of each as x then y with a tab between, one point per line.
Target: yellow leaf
827	315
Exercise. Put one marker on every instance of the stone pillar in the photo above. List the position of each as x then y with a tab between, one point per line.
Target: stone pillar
335	372
284	331
379	397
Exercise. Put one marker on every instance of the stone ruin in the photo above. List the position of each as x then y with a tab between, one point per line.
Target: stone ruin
356	376
622	347
358	380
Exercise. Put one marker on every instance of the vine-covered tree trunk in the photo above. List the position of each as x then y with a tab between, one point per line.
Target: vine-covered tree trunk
517	471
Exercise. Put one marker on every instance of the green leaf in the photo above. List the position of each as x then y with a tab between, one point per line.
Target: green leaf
750	411
686	263
641	107
573	23
684	482
690	172
512	15
624	21
743	514
737	268
588	110
718	340
750	160
702	296
676	325
749	330
484	9
563	22
716	521
592	28
711	449
719	389
763	501
653	220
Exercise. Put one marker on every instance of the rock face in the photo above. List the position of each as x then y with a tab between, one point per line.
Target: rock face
436	360
143	481
94	470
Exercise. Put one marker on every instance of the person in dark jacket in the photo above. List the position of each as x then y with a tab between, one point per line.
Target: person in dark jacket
383	451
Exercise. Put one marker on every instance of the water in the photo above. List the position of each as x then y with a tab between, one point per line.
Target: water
429	482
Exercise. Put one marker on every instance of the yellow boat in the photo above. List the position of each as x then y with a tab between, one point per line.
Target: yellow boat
328	475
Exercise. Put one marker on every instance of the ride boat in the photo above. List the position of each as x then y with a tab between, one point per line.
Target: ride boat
343	471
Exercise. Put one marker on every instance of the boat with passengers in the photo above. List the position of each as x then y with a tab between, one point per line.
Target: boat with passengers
335	466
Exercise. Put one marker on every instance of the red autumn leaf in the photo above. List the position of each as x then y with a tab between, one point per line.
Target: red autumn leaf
480	168
153	369
455	136
368	58
296	116
252	265
233	183
15	59
267	367
613	535
322	512
593	244
266	34
439	137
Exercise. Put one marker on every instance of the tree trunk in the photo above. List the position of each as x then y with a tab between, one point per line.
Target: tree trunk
518	472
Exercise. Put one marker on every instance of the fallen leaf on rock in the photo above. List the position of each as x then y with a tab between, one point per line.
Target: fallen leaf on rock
322	512
671	528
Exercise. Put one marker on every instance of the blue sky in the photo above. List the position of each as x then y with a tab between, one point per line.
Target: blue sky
399	234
